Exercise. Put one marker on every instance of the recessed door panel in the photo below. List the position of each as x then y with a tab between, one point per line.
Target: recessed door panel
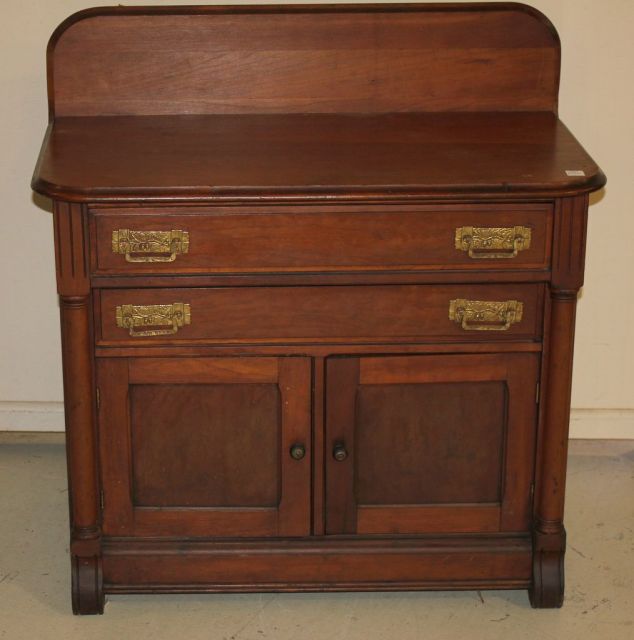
205	445
429	443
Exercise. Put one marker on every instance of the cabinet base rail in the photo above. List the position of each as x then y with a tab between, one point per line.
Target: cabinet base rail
194	566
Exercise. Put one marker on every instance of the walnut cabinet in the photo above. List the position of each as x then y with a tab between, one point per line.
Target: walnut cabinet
317	269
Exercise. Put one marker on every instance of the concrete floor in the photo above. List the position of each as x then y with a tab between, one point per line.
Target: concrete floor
35	596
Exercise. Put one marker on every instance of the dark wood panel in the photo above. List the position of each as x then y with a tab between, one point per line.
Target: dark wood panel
322	314
313	240
312	156
429	443
346	59
204	445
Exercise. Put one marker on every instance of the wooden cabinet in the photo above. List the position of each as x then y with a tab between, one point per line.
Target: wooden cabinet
317	296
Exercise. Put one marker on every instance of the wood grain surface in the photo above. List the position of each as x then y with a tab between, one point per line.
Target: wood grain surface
335	314
316	239
342	59
308	156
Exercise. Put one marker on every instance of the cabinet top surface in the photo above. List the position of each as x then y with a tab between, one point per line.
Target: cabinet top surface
433	155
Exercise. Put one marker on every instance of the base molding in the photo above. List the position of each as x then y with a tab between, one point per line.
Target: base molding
480	562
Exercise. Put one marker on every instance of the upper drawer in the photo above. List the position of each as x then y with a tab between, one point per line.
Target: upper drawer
320	239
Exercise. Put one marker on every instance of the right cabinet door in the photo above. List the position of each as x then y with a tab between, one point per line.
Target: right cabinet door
430	443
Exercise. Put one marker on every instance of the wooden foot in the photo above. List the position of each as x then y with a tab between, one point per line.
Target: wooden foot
547	590
88	596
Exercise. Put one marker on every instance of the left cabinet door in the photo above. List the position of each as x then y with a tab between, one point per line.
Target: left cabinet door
211	447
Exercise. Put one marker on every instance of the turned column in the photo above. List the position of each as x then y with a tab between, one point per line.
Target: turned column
549	535
73	286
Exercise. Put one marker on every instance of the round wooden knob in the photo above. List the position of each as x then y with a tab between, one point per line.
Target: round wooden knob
339	452
298	451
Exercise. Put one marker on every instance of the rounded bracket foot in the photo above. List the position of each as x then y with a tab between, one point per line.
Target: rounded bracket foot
87	585
547	590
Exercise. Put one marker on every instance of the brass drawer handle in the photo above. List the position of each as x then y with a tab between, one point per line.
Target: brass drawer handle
149	317
493	242
150	246
479	315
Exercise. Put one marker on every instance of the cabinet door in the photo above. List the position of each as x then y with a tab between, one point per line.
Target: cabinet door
425	444
205	446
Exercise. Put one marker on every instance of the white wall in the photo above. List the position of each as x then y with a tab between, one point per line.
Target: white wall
597	95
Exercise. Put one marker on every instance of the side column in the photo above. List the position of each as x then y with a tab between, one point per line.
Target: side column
549	535
73	285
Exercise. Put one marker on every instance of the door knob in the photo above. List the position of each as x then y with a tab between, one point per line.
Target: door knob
339	452
298	451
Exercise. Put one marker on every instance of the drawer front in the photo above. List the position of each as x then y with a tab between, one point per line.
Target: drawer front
328	314
165	241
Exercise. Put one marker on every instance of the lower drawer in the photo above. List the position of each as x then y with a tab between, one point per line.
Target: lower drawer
325	314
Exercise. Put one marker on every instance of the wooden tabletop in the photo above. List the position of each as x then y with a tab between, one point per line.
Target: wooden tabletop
312	156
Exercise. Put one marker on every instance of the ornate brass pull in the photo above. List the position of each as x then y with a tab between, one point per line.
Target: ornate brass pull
150	246
493	242
149	317
478	315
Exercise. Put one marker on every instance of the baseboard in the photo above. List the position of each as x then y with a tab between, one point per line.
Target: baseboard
584	423
31	416
609	424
